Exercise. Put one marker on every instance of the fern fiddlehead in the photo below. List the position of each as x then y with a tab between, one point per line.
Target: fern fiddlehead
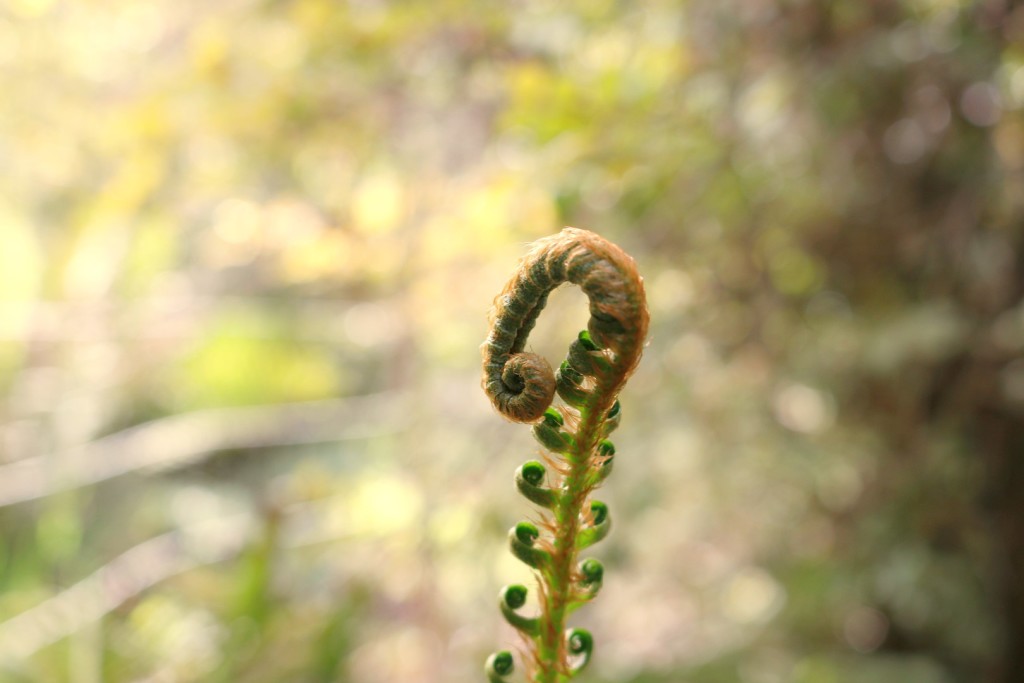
522	386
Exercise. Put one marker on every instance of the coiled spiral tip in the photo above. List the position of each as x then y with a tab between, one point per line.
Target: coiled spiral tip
510	599
499	665
550	434
601	524
525	388
591	578
580	645
521	538
529	481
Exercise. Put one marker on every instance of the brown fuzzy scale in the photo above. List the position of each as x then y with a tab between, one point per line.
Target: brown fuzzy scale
522	385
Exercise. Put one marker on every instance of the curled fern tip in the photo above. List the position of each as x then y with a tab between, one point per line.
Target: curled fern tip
578	454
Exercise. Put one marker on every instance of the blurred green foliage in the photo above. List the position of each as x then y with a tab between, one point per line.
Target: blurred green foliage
246	252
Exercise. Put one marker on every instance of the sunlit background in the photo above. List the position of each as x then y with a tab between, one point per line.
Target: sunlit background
247	249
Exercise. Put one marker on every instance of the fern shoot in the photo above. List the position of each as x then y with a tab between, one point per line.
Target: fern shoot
578	455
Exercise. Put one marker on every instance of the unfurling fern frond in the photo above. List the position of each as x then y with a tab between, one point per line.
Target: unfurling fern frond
522	386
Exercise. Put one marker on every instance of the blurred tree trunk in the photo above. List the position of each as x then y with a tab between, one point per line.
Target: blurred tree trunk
1001	440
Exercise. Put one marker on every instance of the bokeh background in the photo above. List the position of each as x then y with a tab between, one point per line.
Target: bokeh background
247	249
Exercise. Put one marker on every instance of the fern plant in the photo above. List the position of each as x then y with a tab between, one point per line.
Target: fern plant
578	455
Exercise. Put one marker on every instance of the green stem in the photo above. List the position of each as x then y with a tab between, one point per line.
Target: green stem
558	579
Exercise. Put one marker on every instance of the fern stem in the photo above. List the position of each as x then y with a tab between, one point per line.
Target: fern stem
576	488
558	591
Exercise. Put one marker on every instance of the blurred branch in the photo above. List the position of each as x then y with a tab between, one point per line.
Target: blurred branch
141	567
161	558
178	440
